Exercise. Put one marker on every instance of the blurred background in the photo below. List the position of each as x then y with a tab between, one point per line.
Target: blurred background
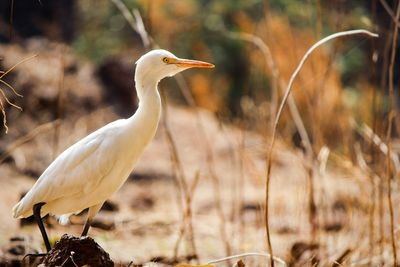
335	165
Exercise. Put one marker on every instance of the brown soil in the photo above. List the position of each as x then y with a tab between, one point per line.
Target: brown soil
72	251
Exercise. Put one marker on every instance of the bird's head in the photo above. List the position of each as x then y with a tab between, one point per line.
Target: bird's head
159	64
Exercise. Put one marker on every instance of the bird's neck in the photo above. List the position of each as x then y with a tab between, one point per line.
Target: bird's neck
149	110
146	89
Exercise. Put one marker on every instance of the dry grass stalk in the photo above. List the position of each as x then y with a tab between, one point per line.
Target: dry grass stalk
3	111
189	214
242	185
15	65
372	177
2	107
389	194
322	214
390	12
312	207
9	102
371	222
389	133
10	87
381	219
283	103
368	134
136	22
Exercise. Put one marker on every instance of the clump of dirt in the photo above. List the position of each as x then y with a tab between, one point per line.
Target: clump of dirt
74	251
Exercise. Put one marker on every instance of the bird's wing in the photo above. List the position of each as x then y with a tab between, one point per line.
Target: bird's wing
80	168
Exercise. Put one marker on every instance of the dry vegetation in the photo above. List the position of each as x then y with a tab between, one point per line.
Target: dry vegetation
317	186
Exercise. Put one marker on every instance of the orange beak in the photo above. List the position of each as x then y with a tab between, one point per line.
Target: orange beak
188	63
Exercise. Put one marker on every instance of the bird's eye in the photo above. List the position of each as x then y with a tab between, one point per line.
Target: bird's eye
165	60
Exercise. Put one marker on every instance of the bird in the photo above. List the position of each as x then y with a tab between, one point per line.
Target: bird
87	173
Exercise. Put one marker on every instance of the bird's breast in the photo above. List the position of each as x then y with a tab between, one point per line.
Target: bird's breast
124	156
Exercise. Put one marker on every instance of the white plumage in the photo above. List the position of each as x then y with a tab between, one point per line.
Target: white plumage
88	172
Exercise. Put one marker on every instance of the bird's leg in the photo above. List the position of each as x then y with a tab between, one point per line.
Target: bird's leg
86	227
36	214
91	213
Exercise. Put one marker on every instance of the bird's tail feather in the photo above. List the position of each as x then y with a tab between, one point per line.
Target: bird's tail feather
20	211
16	210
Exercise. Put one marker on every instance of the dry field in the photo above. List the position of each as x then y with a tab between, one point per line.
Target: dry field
198	193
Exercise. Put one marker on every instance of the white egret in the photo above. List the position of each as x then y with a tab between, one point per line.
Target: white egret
87	173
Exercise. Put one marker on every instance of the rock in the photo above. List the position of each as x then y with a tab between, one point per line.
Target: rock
103	223
77	251
150	177
110	206
17	238
142	202
254	207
